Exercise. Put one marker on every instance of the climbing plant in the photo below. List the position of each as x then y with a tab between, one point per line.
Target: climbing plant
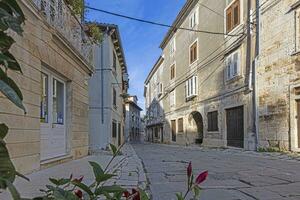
11	19
77	6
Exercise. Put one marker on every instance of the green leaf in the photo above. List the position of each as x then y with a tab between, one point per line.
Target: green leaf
98	171
143	195
104	177
5	40
9	21
83	187
11	94
22	176
60	194
179	196
9	61
13	191
197	191
54	181
114	149
109	189
3	131
11	83
14	7
7	169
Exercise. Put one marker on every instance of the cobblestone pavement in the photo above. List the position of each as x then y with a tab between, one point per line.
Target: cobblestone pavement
128	167
233	174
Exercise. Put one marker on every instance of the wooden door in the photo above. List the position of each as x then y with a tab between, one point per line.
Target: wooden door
162	134
235	127
298	122
173	127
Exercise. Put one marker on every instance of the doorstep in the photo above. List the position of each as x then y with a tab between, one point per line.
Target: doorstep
55	161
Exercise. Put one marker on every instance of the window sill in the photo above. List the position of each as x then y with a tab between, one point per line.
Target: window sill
236	30
213	131
233	79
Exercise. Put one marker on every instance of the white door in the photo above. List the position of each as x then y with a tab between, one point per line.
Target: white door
53	112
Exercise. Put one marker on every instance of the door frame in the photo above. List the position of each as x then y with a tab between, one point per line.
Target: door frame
244	121
293	118
51	76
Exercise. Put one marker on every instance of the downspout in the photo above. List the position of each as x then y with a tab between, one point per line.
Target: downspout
102	76
255	96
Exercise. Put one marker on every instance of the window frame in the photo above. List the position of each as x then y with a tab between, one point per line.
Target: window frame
114	97
194	18
180	125
230	68
212	122
190	52
191	87
172	101
230	9
173	46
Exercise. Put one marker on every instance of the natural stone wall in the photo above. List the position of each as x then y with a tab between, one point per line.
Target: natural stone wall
40	44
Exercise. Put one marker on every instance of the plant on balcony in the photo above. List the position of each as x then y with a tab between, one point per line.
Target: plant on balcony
94	32
77	6
11	19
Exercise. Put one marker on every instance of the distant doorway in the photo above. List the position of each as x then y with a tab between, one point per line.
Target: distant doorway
162	134
173	129
197	118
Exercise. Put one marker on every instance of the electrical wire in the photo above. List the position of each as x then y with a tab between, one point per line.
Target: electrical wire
159	24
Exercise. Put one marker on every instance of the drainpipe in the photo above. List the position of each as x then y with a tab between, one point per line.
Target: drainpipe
255	96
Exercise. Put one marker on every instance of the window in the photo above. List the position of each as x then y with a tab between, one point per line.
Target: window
172	98
160	89
44	99
191	87
233	16
114	129
194	19
180	125
58	102
212	118
114	61
172	71
173	46
232	65
114	97
193	52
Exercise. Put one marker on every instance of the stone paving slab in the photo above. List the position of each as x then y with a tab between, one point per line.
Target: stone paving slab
130	174
233	174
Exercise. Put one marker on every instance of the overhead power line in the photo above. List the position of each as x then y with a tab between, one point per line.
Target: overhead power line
212	10
159	24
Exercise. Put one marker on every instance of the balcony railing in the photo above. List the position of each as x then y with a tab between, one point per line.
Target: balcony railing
60	17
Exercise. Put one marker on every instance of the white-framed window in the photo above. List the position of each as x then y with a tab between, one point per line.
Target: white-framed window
172	98
173	46
233	62
191	87
193	21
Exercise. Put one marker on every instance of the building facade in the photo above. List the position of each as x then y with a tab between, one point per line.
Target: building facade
133	119
200	89
55	59
278	77
107	89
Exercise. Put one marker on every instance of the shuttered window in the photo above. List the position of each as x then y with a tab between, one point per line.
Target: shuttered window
114	129
180	125
191	87
172	71
233	65
212	118
233	16
193	52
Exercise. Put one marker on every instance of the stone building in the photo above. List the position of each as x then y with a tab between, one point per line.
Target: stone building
278	76
133	126
200	89
107	89
54	56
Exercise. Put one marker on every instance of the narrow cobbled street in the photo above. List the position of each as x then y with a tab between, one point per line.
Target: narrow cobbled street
233	174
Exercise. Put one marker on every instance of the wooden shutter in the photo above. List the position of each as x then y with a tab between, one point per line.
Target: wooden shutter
236	13
228	20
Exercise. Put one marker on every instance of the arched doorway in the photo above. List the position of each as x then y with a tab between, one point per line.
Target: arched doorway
196	118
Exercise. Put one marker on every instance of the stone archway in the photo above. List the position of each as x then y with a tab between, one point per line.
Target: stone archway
197	119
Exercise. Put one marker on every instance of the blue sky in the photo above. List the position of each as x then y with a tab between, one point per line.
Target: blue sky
140	41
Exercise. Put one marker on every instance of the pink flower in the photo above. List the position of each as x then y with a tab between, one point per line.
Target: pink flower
189	170
78	193
201	177
79	180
